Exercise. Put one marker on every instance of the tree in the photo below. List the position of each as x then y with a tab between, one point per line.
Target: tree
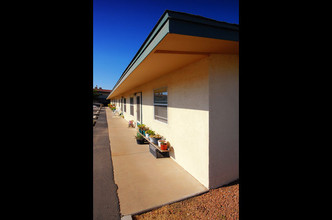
96	94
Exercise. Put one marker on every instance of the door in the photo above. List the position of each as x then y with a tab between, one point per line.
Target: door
139	108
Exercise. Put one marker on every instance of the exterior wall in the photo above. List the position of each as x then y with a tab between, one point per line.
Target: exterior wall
187	126
203	117
126	113
224	119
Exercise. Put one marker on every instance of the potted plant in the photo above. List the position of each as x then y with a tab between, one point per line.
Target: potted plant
159	141
131	123
149	133
163	144
141	128
112	107
144	129
139	138
154	138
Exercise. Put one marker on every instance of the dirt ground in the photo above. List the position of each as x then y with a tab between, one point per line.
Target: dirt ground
220	203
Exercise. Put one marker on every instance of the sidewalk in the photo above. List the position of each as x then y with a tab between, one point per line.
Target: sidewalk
145	182
105	200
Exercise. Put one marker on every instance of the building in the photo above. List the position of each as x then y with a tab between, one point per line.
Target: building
103	94
183	83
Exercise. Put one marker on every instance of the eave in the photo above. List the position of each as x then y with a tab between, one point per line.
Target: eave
177	40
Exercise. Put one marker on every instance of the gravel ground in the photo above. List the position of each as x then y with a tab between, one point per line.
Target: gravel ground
220	203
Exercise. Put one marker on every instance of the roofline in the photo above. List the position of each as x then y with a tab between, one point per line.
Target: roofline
177	28
103	90
201	19
140	50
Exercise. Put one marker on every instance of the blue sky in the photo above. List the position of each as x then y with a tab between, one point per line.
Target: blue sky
121	26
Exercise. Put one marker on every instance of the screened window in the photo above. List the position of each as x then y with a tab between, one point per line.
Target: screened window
132	106
160	104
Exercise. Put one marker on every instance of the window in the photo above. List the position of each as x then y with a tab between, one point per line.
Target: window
138	106
160	104
132	106
125	104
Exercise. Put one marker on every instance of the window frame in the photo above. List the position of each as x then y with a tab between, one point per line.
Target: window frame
125	104
131	106
160	104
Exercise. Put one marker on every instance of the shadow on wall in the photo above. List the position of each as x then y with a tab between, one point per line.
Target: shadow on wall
172	154
187	87
184	99
183	102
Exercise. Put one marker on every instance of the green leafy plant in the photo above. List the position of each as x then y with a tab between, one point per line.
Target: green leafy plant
150	132
141	126
139	136
157	136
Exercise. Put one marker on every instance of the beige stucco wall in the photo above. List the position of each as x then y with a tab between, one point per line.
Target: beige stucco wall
224	119
187	126
203	116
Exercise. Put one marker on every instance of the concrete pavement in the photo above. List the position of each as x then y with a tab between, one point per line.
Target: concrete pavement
145	182
105	199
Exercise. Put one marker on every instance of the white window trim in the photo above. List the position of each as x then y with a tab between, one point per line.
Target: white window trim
154	113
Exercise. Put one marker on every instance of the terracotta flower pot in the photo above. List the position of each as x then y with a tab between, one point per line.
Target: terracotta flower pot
163	146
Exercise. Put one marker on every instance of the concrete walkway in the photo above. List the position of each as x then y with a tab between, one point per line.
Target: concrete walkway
105	200
145	182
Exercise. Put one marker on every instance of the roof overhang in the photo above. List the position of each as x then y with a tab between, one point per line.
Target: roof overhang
177	40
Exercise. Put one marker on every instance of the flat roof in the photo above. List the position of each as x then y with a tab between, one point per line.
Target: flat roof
183	24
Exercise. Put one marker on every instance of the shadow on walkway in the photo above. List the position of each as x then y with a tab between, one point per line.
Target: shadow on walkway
105	199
